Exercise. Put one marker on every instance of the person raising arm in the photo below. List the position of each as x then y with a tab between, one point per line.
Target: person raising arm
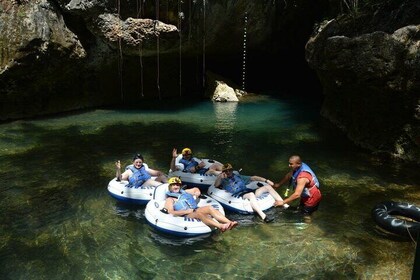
139	173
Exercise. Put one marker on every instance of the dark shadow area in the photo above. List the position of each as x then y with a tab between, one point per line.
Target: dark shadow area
193	243
288	73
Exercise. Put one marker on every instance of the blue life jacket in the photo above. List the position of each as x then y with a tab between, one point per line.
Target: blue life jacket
185	200
314	182
235	185
139	176
188	164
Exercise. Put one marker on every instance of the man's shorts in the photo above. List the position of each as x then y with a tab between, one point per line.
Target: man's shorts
308	210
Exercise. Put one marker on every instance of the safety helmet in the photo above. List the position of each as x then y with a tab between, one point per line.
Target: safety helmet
186	151
227	166
174	180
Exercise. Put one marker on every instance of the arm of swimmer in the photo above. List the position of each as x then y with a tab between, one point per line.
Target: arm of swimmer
284	180
298	191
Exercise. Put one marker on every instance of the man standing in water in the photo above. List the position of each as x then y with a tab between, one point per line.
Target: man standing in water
305	185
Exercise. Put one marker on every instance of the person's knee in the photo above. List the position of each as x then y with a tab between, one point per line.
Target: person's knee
267	188
250	196
196	191
212	172
204	209
211	208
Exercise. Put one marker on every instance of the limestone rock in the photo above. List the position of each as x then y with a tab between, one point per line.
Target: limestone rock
35	29
371	80
131	34
224	93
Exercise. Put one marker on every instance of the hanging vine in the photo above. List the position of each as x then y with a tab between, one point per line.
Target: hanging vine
204	43
180	18
139	14
120	54
157	49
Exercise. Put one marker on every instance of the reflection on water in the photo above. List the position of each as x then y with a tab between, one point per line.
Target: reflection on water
59	222
225	115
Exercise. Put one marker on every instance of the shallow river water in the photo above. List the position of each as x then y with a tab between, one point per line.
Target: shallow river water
59	222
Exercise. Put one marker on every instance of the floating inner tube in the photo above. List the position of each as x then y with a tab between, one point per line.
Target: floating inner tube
383	216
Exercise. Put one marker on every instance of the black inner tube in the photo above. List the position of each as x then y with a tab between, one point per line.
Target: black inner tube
383	213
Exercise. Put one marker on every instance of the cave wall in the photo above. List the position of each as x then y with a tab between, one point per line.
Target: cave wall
63	55
369	66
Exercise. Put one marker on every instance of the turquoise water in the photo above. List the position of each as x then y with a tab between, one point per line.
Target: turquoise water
58	221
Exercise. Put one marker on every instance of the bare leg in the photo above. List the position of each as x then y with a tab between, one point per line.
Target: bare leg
208	220
162	178
272	192
215	169
217	166
221	218
213	172
152	182
217	215
194	191
254	204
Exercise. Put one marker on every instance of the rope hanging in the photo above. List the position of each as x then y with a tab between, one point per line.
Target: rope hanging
204	43
139	11
120	56
180	18
157	49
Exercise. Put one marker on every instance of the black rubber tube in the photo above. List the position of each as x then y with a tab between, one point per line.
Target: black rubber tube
383	213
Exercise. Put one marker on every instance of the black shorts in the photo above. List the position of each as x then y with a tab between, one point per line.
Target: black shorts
307	210
242	193
202	171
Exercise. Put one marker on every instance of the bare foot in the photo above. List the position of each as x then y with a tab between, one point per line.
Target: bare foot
278	203
224	227
233	224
